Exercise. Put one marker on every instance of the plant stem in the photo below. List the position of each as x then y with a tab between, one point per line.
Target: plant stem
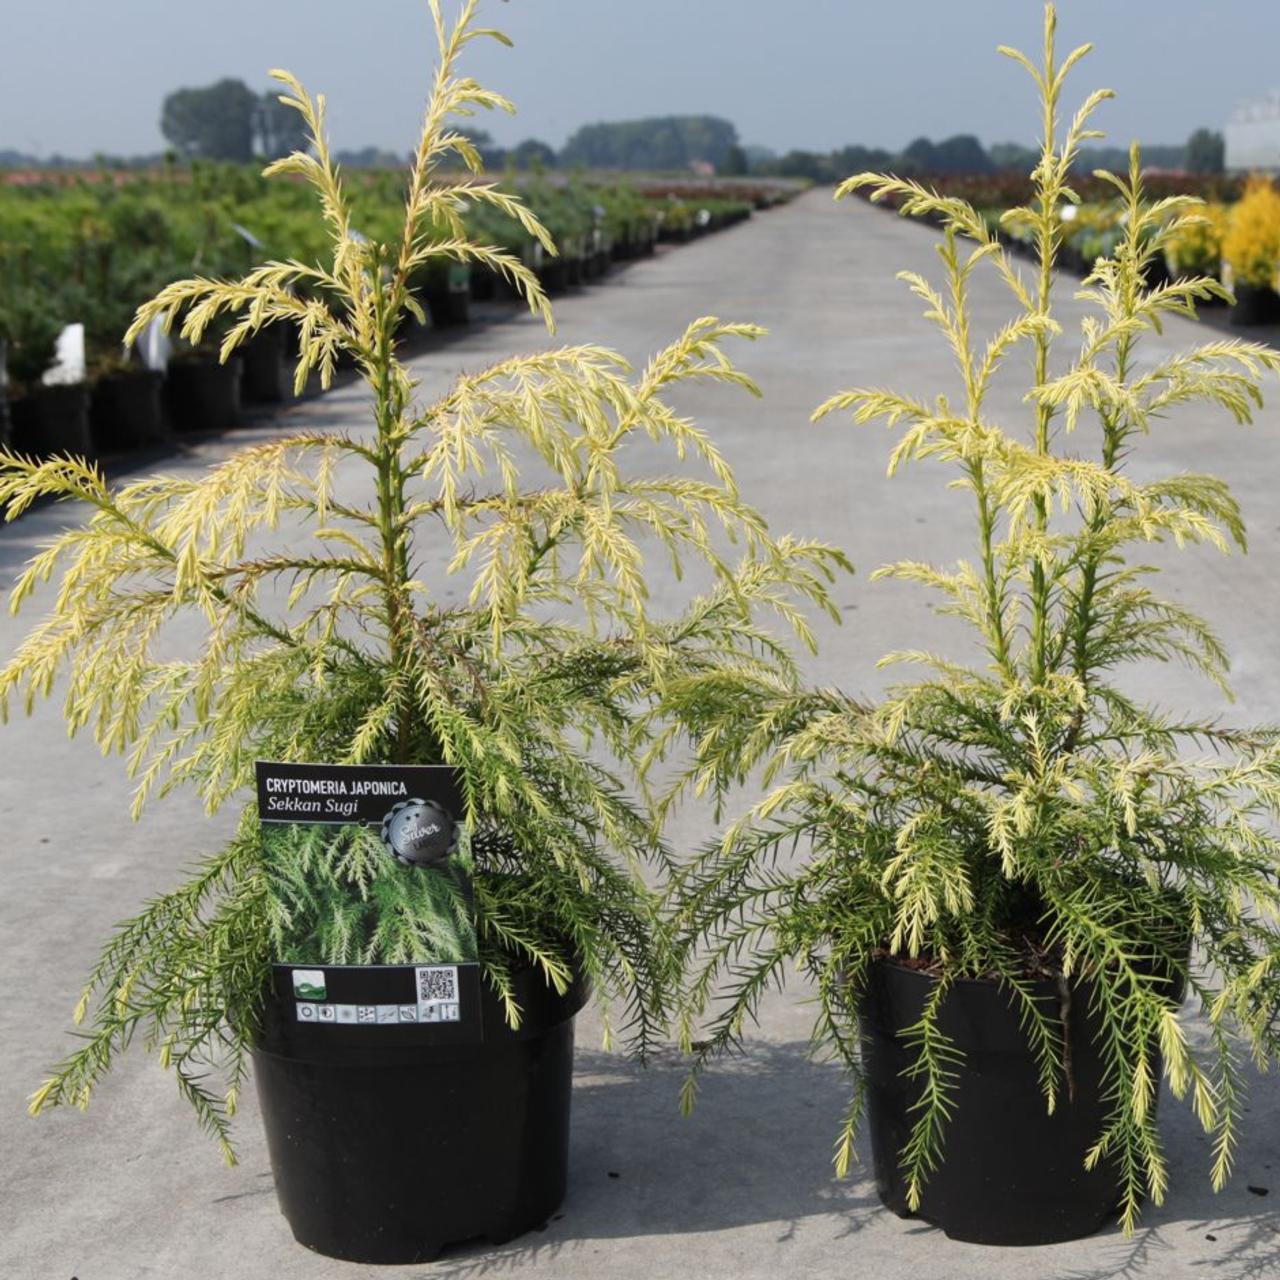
1048	183
392	532
995	598
1113	431
977	477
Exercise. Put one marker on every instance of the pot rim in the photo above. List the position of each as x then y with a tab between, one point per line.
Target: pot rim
994	980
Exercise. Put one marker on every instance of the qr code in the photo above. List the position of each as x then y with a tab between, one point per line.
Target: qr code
437	983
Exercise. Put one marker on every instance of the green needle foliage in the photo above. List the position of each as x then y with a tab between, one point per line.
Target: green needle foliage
1023	817
463	615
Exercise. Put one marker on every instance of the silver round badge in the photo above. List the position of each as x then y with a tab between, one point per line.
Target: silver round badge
420	833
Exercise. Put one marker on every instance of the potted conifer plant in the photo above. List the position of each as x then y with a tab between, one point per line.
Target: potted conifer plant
5	324
1198	250
46	419
204	379
1251	248
1011	871
203	390
266	366
446	294
457	616
126	409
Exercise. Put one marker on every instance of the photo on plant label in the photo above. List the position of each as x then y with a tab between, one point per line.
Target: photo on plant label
380	874
340	896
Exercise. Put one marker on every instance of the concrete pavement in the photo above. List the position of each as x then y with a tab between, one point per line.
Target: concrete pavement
743	1188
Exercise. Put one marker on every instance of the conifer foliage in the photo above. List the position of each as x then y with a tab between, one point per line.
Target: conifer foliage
461	615
1025	816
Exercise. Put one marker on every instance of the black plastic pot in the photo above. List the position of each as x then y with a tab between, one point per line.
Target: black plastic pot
386	1151
1071	259
204	395
1255	304
4	395
1157	273
485	284
554	275
267	376
126	411
53	420
1011	1174
448	297
448	307
637	243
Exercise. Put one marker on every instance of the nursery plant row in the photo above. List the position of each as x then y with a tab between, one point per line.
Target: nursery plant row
89	249
1234	239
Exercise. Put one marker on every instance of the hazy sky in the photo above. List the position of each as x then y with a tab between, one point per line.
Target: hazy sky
80	76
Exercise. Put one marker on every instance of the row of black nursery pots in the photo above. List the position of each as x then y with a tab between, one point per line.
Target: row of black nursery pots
447	299
4	394
572	267
636	241
135	408
703	222
589	256
130	409
58	419
352	1125
577	264
1254	304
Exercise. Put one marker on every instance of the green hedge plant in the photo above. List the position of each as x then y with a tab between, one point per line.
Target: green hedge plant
482	602
1023	815
29	330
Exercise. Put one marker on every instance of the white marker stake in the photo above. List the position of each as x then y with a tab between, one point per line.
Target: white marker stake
247	236
155	346
68	365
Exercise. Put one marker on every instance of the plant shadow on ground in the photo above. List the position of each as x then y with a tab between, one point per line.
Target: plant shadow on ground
1233	1234
755	1150
1242	1247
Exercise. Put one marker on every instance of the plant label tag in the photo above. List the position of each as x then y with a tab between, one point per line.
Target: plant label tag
155	346
68	365
369	878
247	236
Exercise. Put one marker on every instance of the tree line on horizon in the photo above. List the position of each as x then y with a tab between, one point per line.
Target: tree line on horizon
1203	152
228	121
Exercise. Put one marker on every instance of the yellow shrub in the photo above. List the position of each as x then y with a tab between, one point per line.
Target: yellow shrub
1252	242
1195	248
1089	219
